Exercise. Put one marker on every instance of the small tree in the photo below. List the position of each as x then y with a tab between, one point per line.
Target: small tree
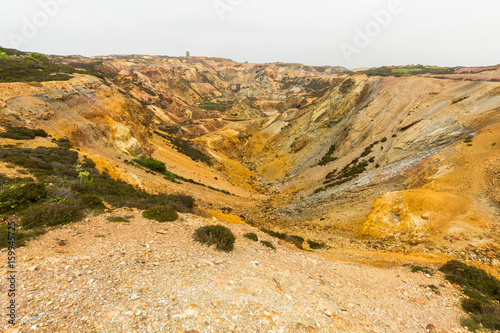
83	175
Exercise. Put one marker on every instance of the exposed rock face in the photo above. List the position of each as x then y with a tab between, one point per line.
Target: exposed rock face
417	211
124	140
317	147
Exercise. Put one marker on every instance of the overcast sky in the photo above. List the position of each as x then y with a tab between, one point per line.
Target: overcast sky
359	33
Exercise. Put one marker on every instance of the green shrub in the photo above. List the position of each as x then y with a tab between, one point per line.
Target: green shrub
161	214
482	291
295	240
470	324
22	133
316	245
92	202
152	164
64	143
472	305
268	244
16	198
251	236
52	214
43	162
472	278
215	234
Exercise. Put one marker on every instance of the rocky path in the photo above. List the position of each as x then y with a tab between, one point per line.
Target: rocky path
99	276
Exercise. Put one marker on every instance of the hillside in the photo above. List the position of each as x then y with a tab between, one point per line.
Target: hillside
382	166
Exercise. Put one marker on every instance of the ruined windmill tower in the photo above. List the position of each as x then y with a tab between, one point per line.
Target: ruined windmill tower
188	54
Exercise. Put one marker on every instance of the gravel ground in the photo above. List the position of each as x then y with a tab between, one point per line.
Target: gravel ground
99	276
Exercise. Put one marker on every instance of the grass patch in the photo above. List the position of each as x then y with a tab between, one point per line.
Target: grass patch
328	156
251	236
295	240
482	292
421	269
161	214
316	245
117	219
22	133
187	148
215	234
152	164
213	106
268	244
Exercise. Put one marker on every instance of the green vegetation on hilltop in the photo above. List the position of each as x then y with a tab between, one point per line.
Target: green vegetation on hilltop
18	66
32	68
409	70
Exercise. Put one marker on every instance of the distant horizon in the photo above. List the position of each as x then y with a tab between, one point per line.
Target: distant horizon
257	63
